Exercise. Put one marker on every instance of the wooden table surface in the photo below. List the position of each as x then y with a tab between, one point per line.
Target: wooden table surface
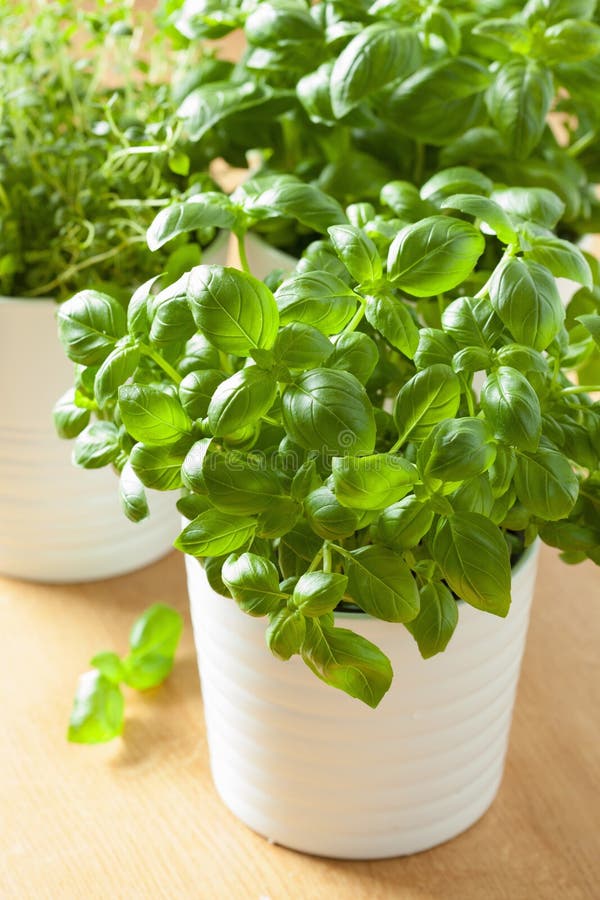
139	818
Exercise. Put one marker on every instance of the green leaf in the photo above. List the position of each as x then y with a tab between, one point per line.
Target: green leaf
380	582
215	533
512	34
429	397
486	210
562	258
89	325
300	346
208	210
392	319
237	486
347	661
133	497
170	314
474	559
405	201
434	348
329	410
159	468
291	198
434	255
378	55
440	101
69	419
546	484
97	714
372	482
456	180
472	322
525	297
153	642
138	322
402	525
318	593
253	583
327	517
532	204
151	415
519	101
196	391
592	324
286	632
234	310
456	449
437	619
96	446
270	24
213	103
512	408
316	298
356	251
110	665
356	353
241	400
551	11
280	517
570	42
114	371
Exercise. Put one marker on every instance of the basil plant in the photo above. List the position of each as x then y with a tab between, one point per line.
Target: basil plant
386	429
356	93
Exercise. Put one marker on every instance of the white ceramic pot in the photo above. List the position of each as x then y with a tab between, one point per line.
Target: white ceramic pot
310	768
263	259
58	523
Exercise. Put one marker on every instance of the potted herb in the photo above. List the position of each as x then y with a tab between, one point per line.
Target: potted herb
84	167
352	494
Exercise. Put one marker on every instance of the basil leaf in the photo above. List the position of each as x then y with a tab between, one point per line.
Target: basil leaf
455	180
356	251
519	101
110	665
114	371
327	517
300	346
402	525
356	353
472	322
170	314
316	298
512	408
329	410
152	416
546	484
405	201
278	518
159	468
377	55
69	419
211	104
196	391
89	325
237	486
234	310
392	319
571	42
474	559
427	398
437	619
208	210
485	209
380	582
372	482
253	582
456	449
435	347
347	661
562	258
525	297
272	23
241	400
292	198
286	632
440	101
133	497
434	255
153	642
138	322
532	204
592	324
215	533
96	446
318	593
98	710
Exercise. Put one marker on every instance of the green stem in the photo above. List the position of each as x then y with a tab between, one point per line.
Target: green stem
468	394
326	557
242	252
356	318
582	144
581	389
162	363
317	559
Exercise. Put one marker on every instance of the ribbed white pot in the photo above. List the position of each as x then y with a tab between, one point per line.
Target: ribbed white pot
310	768
58	523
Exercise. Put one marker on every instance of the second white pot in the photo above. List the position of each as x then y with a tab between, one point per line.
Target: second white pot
312	769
